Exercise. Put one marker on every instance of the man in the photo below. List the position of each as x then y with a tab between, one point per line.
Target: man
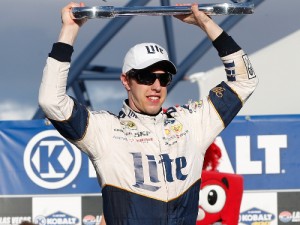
148	160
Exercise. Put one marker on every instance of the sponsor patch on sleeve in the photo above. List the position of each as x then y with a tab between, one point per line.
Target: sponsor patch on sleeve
250	70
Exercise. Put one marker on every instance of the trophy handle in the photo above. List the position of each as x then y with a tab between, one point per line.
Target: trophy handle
209	9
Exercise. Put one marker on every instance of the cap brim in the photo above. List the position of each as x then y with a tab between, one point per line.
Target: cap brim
165	65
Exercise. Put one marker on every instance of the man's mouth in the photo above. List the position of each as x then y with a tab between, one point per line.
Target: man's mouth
153	98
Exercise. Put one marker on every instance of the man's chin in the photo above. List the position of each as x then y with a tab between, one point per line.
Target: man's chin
153	112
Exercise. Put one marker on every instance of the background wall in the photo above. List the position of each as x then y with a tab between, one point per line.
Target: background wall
46	179
270	37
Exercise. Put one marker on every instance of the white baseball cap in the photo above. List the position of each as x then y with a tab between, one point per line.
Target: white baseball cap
144	55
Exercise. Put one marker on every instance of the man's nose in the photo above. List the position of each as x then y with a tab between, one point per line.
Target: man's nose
156	85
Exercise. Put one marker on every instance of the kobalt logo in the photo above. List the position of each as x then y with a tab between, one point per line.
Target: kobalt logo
50	161
58	218
255	215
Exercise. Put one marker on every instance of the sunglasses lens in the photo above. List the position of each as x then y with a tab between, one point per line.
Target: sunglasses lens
165	79
146	78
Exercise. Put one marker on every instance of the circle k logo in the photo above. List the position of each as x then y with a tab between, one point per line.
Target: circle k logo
50	161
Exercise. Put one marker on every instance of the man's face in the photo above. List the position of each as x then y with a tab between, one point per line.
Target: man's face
147	99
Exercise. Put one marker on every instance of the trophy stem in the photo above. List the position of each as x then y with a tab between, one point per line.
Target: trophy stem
209	9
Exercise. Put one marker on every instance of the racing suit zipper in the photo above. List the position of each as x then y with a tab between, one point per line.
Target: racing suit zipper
158	128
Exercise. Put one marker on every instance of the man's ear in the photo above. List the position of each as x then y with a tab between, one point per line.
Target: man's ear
125	81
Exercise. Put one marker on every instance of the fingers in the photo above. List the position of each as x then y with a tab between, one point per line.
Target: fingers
67	9
178	4
200	16
71	5
185	17
190	18
68	17
197	12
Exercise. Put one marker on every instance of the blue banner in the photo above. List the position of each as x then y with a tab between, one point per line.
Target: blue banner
265	150
35	159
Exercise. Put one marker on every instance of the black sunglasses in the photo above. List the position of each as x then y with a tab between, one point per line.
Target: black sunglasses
148	78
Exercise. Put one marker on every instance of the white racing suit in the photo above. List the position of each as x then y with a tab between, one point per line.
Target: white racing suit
149	167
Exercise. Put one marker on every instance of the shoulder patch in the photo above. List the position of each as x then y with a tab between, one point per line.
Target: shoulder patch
250	70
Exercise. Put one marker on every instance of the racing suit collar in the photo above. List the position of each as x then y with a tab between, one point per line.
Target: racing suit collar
146	118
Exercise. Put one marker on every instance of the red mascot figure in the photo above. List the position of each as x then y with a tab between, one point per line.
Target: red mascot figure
220	193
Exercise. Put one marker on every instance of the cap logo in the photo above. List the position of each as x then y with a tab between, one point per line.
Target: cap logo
153	49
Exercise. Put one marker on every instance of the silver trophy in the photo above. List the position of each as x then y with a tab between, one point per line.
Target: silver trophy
209	9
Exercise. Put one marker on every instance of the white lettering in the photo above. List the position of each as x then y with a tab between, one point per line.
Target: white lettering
4	220
61	221
296	216
244	165
272	145
256	217
98	219
18	220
